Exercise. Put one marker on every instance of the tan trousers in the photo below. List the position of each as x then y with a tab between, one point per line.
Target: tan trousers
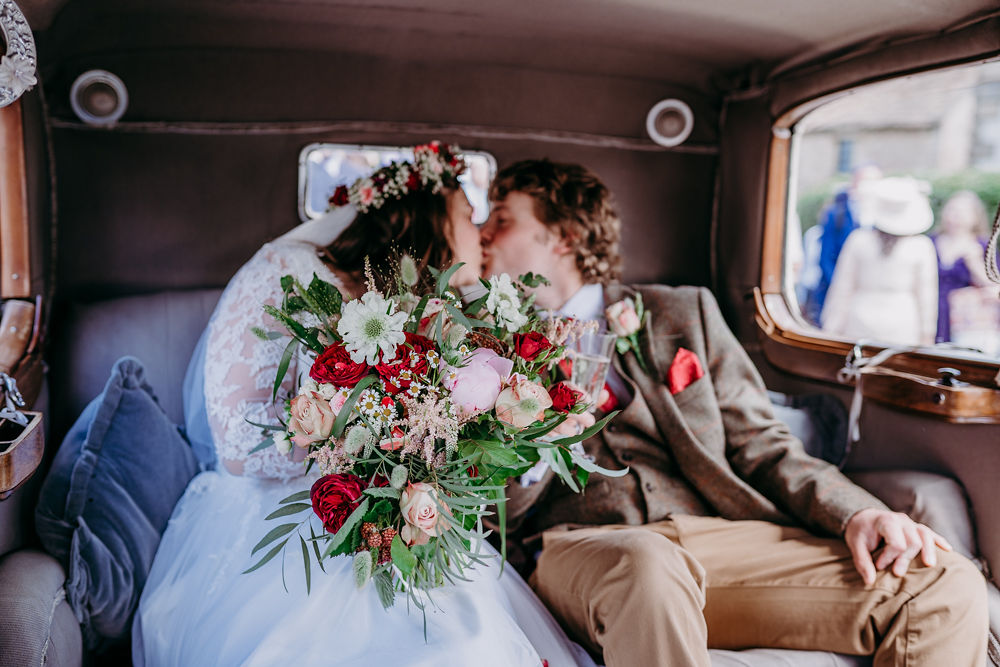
662	593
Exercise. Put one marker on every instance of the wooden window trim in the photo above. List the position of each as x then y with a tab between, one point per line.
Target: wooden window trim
910	380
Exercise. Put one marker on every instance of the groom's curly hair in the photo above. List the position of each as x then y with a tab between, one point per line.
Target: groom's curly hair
572	199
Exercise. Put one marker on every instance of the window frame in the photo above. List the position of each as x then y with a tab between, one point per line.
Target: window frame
303	170
793	345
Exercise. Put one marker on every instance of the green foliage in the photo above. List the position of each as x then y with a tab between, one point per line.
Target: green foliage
341	542
985	184
362	567
402	556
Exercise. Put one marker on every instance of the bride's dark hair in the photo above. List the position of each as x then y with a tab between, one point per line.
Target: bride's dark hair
415	224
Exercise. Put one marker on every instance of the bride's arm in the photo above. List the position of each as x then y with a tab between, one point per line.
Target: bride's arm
240	368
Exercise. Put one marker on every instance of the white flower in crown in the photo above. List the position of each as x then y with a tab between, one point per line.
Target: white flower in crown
433	164
17	73
504	304
370	324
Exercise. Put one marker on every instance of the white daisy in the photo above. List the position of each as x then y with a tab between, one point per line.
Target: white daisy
370	324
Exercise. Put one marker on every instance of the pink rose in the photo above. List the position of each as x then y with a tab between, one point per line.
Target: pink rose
475	386
419	506
522	404
622	318
428	317
311	418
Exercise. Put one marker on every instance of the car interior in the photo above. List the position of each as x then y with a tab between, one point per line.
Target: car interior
149	149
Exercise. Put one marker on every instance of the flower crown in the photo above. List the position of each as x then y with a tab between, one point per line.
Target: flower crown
433	164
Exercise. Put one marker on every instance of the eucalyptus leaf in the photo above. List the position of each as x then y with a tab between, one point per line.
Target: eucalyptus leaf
270	554
444	277
275	533
297	497
264	444
287	510
306	564
345	411
558	465
588	432
286	358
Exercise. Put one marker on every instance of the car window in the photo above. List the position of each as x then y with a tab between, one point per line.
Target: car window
322	167
893	187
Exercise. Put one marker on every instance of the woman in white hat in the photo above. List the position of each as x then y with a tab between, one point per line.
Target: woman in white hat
885	284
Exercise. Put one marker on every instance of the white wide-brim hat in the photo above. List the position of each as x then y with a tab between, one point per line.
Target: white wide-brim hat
897	205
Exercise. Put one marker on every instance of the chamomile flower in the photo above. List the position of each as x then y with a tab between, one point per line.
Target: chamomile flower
369	325
368	402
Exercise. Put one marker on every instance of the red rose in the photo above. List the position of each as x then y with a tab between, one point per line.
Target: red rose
335	366
530	345
564	397
390	371
413	182
340	196
334	497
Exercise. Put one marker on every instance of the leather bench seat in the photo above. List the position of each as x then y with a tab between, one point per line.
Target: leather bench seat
162	329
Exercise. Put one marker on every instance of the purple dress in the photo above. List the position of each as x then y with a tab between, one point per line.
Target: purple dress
950	278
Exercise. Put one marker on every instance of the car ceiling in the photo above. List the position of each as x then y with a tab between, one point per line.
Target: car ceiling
702	44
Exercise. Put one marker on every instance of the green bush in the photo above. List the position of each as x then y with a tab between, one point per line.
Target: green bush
984	183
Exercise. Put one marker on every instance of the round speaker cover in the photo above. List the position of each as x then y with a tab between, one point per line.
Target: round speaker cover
98	97
669	122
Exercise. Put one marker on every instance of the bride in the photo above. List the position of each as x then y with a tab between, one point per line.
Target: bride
197	607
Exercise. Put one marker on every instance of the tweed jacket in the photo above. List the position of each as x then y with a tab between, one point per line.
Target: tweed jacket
714	448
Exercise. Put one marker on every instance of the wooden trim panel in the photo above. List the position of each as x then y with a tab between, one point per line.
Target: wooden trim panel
15	257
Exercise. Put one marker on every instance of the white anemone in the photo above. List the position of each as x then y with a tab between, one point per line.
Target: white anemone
370	324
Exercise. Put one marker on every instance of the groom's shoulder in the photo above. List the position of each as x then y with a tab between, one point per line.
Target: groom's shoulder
676	296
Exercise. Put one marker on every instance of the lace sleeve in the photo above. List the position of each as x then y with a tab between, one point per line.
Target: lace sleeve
240	367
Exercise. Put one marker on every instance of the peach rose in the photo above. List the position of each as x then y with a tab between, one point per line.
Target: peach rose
522	404
622	318
311	419
419	506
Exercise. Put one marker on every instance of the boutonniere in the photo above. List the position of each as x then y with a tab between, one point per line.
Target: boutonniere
626	318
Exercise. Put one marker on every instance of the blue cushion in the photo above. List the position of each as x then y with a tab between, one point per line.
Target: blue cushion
107	498
818	420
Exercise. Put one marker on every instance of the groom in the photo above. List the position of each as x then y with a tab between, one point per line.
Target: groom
713	537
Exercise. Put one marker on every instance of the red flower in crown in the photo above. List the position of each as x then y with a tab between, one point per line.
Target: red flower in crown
340	197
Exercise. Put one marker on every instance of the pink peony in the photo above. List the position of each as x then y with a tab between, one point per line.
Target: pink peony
475	386
311	418
419	506
522	404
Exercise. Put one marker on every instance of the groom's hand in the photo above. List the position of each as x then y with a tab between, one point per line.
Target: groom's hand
902	537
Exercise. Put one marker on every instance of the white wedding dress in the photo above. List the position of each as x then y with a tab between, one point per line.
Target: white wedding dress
198	609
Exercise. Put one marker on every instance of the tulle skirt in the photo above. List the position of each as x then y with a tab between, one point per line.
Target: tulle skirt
199	609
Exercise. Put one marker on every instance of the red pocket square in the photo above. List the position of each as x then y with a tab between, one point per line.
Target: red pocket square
685	369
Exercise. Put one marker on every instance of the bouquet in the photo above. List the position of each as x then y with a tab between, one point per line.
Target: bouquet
417	409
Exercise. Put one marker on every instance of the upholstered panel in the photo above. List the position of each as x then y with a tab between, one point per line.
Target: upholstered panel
159	329
37	626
